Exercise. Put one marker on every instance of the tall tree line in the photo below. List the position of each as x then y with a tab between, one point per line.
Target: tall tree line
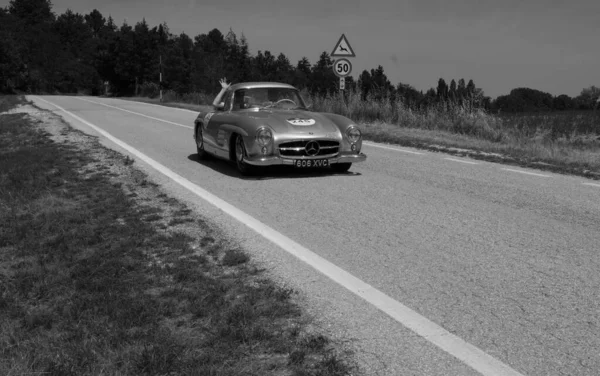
69	53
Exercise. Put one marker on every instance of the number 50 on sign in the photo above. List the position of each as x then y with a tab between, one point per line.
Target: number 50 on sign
342	67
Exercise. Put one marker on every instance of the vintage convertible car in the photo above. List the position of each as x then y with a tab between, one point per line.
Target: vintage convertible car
268	123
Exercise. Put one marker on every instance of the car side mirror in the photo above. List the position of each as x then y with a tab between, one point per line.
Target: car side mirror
220	106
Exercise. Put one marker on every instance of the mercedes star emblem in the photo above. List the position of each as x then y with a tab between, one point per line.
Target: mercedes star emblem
312	148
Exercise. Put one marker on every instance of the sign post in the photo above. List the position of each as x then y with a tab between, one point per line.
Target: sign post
160	84
342	67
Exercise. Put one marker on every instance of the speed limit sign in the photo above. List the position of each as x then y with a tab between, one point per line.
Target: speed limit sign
342	67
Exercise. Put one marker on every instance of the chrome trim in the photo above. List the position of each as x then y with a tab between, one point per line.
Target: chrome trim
301	148
312	148
326	147
275	160
348	131
264	127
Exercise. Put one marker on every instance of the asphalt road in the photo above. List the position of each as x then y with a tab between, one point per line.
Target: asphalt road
505	258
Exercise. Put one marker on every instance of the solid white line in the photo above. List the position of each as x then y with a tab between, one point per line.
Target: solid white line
453	345
592	184
460	160
390	148
158	105
525	172
135	113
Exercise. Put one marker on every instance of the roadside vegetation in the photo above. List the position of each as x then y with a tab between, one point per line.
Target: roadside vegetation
102	273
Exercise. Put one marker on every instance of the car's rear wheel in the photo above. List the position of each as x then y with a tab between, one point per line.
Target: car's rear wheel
341	167
200	144
240	156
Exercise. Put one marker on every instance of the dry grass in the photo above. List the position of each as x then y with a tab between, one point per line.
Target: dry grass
95	279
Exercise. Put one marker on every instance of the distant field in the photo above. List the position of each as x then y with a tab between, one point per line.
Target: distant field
567	141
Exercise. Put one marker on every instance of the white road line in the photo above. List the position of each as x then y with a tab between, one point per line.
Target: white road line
448	342
460	160
158	105
135	113
592	184
390	148
525	172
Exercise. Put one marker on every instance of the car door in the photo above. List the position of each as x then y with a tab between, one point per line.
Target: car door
213	121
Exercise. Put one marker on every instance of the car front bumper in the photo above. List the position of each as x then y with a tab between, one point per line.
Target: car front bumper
277	160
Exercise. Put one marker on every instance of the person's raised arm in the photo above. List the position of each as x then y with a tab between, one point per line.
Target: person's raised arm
224	86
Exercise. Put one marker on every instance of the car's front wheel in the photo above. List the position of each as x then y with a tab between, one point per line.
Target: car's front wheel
200	144
341	167
240	156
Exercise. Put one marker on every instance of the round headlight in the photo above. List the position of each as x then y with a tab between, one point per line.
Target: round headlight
264	137
353	134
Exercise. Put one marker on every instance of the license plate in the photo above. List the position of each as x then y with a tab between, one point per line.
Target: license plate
307	163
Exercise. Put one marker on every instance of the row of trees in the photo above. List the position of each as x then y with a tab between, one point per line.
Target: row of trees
531	100
42	52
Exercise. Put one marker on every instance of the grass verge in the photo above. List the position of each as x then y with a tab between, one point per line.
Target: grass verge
556	156
101	273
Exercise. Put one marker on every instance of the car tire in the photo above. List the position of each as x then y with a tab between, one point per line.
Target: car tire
202	154
240	154
341	167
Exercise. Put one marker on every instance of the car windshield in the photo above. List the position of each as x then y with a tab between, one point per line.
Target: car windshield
267	97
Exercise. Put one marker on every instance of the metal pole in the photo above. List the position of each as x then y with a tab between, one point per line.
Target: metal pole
160	59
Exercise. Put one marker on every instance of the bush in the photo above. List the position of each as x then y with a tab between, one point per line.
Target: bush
149	89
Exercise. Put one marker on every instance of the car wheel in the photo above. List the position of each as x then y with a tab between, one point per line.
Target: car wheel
341	167
202	154
240	155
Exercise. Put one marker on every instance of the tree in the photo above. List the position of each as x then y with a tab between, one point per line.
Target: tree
125	61
37	43
470	88
563	102
452	91
302	73
322	79
95	22
264	66
283	69
75	71
442	90
11	62
32	12
365	83
525	99
380	85
208	60
409	95
461	90
588	98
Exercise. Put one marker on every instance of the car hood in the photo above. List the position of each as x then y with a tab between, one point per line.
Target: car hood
297	122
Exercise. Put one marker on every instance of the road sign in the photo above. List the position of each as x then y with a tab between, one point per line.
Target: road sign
342	83
342	48
342	67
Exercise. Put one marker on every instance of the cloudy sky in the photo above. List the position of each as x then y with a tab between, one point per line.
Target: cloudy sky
550	45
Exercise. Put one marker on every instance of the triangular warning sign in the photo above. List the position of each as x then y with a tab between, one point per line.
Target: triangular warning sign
343	48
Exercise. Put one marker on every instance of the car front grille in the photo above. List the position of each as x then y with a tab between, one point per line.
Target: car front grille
326	148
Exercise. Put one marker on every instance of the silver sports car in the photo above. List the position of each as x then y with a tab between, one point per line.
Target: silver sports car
268	123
